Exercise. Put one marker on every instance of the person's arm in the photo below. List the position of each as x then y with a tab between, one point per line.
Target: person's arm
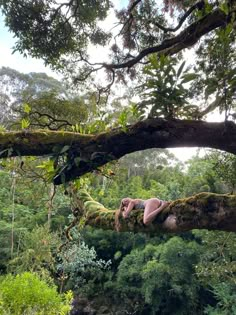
128	209
121	208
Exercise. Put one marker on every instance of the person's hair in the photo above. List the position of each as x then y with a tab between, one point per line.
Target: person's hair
118	215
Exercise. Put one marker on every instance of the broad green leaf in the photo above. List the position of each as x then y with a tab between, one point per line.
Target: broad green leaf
180	69
224	7
25	123
77	161
26	108
188	77
210	90
2	128
65	149
3	151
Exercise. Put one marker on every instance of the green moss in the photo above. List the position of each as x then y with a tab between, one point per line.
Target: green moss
192	211
42	136
84	196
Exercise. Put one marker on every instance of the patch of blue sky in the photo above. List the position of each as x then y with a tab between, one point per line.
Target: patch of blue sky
5	35
16	60
122	3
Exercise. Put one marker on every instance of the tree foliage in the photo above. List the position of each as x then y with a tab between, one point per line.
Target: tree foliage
164	91
61	34
27	294
66	27
158	274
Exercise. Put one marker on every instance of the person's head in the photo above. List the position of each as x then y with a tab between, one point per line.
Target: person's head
126	201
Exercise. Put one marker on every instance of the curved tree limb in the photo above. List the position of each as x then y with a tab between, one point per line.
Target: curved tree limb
199	5
94	151
202	211
187	38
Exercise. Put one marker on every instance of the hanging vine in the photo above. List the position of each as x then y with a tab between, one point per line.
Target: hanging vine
77	210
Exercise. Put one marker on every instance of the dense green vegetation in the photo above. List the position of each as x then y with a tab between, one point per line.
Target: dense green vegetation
28	294
191	272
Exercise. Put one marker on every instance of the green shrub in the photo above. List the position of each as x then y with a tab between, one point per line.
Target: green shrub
29	295
225	294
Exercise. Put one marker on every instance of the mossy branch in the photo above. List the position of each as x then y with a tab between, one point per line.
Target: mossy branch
88	152
202	211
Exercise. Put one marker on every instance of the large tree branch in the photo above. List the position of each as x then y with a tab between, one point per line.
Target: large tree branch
199	5
202	211
96	150
187	38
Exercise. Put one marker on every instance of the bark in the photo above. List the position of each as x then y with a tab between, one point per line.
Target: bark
88	152
186	39
202	211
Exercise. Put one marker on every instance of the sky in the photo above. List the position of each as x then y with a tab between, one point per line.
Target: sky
16	61
26	65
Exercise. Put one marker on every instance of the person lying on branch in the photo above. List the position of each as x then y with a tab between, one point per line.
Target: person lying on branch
152	207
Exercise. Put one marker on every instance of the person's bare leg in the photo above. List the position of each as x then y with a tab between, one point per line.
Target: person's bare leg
150	206
150	213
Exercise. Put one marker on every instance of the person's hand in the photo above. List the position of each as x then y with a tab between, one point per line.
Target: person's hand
124	214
